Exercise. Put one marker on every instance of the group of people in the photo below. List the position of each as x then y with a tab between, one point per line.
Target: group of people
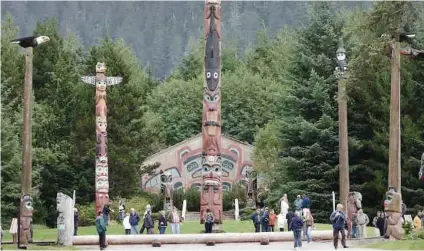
301	220
360	221
132	220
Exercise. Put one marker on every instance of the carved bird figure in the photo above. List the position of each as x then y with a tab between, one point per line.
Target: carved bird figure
32	41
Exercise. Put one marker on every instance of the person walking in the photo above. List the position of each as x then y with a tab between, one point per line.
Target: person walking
296	226
122	214
106	211
272	220
101	230
209	219
338	220
374	223
134	219
126	223
75	221
265	220
256	219
363	221
162	223
290	216
355	226
309	223
149	223
298	205
175	221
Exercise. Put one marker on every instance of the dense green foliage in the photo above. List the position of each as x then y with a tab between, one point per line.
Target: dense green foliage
279	95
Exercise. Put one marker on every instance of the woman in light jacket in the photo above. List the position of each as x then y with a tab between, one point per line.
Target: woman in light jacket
309	224
280	222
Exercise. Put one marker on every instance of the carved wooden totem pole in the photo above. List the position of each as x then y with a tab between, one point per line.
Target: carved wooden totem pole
393	210
101	82
211	194
25	220
166	189
251	177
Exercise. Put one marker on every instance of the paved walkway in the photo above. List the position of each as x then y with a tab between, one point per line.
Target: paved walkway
229	246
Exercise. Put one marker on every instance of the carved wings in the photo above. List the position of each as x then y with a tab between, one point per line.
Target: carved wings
109	80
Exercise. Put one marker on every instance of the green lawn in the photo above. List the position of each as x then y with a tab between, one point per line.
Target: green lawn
42	233
38	247
398	245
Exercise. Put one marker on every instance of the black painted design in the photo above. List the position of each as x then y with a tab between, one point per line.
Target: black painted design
212	57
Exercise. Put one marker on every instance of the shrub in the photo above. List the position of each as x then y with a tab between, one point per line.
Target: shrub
86	215
245	213
408	227
192	196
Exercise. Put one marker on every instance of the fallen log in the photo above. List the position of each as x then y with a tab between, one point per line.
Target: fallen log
197	238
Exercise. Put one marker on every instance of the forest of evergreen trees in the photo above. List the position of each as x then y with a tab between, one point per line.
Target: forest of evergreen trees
279	95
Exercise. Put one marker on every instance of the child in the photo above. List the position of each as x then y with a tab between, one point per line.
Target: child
272	220
126	223
162	224
208	221
280	222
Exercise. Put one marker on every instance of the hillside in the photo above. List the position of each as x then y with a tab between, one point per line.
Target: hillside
161	32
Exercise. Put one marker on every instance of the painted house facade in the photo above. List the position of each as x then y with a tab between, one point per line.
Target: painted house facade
183	160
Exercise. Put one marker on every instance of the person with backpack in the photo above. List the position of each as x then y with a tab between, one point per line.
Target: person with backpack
149	223
134	219
101	230
338	220
265	220
162	223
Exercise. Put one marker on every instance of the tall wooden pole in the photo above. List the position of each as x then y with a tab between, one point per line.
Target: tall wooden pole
211	193
394	143
102	168
25	212
343	144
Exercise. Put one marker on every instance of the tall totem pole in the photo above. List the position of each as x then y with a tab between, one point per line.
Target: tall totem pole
211	194
102	181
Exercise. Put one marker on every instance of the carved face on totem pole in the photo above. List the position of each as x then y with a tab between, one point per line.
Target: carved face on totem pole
101	200
102	181
421	173
27	206
211	170
101	124
101	86
393	202
251	177
100	67
354	200
166	189
212	55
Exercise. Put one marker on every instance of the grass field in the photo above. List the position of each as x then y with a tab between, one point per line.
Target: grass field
399	245
42	233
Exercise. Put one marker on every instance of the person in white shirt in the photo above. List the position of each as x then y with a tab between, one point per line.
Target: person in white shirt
284	207
127	225
281	220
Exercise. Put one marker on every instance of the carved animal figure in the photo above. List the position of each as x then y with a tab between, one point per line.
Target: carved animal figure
251	177
101	146
101	200
211	194
65	220
166	189
354	203
100	67
393	210
26	211
100	88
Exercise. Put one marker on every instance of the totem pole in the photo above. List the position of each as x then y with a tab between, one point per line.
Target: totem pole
354	203
65	220
211	194
25	221
102	182
251	177
393	210
166	189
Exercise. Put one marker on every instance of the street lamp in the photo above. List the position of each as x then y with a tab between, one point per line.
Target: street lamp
340	73
25	209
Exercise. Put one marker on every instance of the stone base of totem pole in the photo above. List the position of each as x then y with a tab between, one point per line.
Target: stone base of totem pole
197	238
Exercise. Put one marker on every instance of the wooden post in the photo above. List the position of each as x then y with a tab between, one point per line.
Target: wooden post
26	173
343	144
394	134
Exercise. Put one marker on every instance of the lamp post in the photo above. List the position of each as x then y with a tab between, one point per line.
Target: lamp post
25	209
340	73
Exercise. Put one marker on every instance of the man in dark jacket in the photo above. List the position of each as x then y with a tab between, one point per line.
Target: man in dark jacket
289	217
101	230
75	221
306	204
265	220
338	220
149	223
256	218
134	219
296	225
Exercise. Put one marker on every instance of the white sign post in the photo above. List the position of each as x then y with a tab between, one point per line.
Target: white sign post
236	211
334	201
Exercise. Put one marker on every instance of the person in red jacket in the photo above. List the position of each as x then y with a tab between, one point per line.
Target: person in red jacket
272	220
